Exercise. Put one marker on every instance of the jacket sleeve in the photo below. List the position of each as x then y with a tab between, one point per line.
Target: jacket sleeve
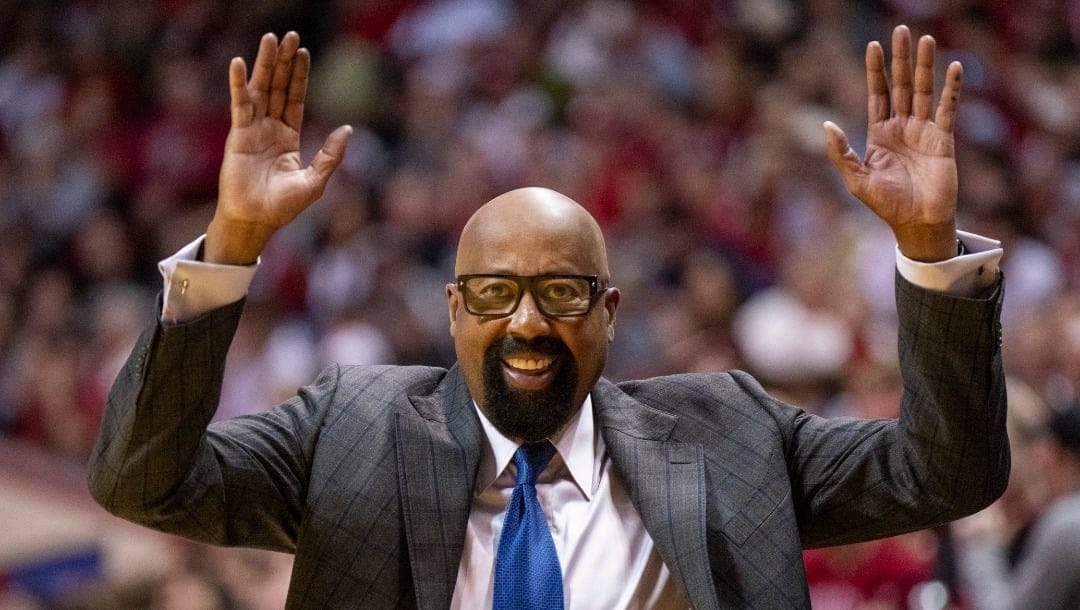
945	457
159	462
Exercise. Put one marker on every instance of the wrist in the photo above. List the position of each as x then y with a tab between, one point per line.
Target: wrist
230	242
927	244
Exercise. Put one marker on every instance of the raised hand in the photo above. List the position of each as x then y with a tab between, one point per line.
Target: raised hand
908	176
263	184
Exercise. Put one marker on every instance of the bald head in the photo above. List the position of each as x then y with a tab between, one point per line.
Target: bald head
528	370
534	229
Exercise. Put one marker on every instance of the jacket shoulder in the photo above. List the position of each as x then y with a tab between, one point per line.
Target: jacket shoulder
706	402
389	379
694	388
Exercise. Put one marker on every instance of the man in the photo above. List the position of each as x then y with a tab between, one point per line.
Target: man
395	486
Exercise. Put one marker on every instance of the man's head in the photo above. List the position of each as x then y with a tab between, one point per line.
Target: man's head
529	370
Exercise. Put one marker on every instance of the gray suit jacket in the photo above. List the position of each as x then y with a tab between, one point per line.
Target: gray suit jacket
366	475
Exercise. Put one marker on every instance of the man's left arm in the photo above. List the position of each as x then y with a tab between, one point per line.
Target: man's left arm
947	455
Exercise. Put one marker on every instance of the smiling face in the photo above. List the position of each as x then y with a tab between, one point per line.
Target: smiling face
529	373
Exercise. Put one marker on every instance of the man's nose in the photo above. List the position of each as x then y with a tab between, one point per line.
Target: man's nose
527	321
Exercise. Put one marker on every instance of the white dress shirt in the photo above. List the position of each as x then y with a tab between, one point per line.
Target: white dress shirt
607	558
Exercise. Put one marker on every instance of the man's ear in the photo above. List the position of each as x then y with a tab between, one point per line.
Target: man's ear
452	304
611	303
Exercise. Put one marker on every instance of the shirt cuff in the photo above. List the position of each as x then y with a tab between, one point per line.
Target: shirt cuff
193	287
965	275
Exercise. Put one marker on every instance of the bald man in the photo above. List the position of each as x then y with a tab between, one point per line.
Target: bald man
391	484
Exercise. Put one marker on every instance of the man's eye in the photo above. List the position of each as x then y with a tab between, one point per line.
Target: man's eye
561	291
495	291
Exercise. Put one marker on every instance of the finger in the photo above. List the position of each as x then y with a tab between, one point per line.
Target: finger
240	102
950	97
261	72
901	71
283	68
877	85
328	158
846	160
293	113
923	101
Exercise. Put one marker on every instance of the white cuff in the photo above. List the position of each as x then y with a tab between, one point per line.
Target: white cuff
963	275
193	288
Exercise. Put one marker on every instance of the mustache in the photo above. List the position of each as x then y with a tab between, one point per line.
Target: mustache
548	346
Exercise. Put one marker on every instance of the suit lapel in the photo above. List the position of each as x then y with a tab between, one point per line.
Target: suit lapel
438	449
666	482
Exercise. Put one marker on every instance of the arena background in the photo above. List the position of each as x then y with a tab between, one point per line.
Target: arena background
691	129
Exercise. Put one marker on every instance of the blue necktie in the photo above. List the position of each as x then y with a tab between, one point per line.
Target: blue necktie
527	574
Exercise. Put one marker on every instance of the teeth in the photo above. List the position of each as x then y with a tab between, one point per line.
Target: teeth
529	364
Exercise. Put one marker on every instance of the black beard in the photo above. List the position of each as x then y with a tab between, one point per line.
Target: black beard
529	415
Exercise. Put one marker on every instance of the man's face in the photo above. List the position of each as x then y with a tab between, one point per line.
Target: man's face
527	371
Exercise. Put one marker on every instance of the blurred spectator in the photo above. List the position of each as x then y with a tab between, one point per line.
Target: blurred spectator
815	301
691	129
990	542
880	574
1046	568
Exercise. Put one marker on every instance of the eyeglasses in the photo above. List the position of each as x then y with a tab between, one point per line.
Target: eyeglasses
555	295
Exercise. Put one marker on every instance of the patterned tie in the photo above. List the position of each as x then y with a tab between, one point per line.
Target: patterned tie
527	574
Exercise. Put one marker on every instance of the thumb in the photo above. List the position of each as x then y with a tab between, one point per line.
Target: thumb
329	157
844	157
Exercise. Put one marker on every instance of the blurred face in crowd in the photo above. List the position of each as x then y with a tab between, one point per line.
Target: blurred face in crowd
530	367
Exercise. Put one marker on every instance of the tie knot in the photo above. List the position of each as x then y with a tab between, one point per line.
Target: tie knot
531	459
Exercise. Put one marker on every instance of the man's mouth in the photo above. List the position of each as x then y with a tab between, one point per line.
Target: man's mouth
529	373
529	386
529	364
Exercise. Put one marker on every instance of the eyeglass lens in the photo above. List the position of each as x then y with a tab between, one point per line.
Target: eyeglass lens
500	295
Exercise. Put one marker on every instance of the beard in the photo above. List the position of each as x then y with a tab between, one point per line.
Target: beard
529	415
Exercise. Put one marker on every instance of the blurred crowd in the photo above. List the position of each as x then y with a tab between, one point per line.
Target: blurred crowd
692	129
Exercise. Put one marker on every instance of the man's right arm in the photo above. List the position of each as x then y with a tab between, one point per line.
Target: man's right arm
156	461
159	462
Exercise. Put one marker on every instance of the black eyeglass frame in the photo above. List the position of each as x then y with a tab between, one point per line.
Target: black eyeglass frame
526	282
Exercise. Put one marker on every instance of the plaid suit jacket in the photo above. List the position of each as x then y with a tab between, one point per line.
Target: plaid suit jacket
366	475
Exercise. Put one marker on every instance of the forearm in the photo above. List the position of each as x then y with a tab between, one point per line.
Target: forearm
953	408
945	457
152	431
160	462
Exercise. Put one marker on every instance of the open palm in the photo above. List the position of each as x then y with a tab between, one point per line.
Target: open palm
908	176
263	184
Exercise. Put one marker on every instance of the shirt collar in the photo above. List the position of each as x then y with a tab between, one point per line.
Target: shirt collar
576	444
